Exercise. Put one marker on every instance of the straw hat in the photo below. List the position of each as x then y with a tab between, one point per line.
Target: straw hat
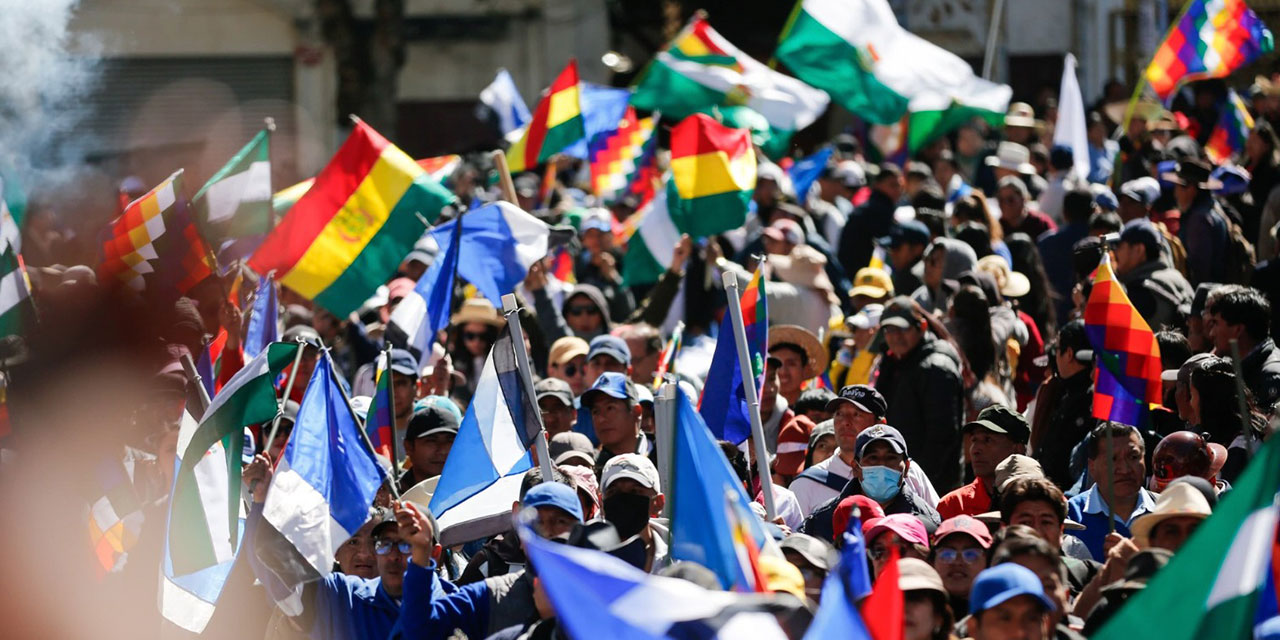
791	334
1012	284
1179	500
477	310
1020	115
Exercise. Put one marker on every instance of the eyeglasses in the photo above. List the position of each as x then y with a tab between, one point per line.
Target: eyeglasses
580	309
970	556
468	336
383	547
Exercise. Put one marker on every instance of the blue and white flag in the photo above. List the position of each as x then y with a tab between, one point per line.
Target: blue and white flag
493	440
504	99
499	242
592	590
264	326
189	600
321	492
424	312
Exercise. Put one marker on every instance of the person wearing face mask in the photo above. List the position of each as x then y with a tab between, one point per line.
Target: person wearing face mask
632	500
880	474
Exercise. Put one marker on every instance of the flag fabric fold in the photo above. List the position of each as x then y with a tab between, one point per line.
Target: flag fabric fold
381	424
616	156
347	234
700	70
497	245
322	489
424	312
724	405
856	51
236	201
154	246
603	111
17	311
1125	349
592	590
264	322
494	437
713	169
649	248
838	614
503	99
1233	128
1071	129
1219	582
1210	40
556	124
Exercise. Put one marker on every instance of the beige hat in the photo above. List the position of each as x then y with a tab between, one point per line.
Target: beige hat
1178	500
1016	466
477	310
803	267
792	334
566	349
917	575
1012	284
1011	156
1020	115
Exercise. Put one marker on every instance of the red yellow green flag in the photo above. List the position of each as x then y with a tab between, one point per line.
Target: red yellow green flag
713	170
556	124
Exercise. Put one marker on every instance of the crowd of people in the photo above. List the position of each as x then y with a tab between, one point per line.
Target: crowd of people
928	372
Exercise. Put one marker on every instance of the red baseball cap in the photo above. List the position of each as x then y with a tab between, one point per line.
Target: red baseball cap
869	509
907	526
967	525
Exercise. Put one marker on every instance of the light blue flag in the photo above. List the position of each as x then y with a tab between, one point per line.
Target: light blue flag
806	170
504	99
498	244
264	328
700	530
321	492
593	591
838	616
494	438
424	312
602	109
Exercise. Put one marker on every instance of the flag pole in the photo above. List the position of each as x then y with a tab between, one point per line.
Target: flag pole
505	182
388	479
1111	473
511	311
664	431
288	390
749	391
989	55
391	405
189	366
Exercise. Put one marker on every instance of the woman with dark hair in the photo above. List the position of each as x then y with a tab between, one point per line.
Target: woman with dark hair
926	615
1039	301
973	208
1215	411
969	320
1262	159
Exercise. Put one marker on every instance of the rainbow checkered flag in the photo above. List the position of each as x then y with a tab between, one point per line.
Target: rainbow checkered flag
1126	352
154	245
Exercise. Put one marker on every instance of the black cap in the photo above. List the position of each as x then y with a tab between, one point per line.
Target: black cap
1142	232
862	396
909	232
1001	419
900	313
880	432
430	420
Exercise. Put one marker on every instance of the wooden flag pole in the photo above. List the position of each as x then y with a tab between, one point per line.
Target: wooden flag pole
505	183
749	390
387	474
288	390
511	311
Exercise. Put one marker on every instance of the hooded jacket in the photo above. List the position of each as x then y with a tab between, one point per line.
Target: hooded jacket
552	320
959	259
1157	291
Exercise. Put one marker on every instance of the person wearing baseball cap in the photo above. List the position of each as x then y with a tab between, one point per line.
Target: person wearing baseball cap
906	243
1137	196
555	401
558	508
1008	601
902	530
427	442
1202	226
1156	290
567	360
1071	417
813	557
608	353
570	449
960	551
632	499
920	378
615	413
998	433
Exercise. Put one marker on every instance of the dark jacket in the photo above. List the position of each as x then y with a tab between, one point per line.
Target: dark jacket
819	523
1069	422
551	319
499	556
1261	369
871	220
478	610
1056	253
1203	232
925	393
1157	291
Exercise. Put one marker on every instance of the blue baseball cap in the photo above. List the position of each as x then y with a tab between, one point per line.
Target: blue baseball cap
554	494
612	384
611	346
403	362
1003	582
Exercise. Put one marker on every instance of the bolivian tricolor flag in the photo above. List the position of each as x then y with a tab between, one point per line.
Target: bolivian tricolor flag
347	234
556	124
713	171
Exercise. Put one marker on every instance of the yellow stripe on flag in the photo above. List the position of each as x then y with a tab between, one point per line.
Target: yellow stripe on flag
709	174
362	216
564	107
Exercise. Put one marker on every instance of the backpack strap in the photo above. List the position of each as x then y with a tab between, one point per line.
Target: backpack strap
826	478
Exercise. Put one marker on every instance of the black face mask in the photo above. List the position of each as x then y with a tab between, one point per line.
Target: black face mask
628	512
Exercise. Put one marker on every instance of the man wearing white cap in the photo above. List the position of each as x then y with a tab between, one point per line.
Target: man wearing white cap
632	499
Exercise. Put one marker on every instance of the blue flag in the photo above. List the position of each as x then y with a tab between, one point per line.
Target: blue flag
499	242
700	527
805	171
263	325
603	108
424	312
838	616
504	99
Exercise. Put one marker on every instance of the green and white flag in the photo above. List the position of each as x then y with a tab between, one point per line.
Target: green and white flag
856	51
12	206
649	248
236	201
16	309
1212	588
205	507
700	70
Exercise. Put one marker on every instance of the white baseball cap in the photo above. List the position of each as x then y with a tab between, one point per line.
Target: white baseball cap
633	466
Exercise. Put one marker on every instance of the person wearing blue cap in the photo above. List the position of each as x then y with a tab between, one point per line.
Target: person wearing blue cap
615	415
1008	602
1156	290
608	353
906	243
